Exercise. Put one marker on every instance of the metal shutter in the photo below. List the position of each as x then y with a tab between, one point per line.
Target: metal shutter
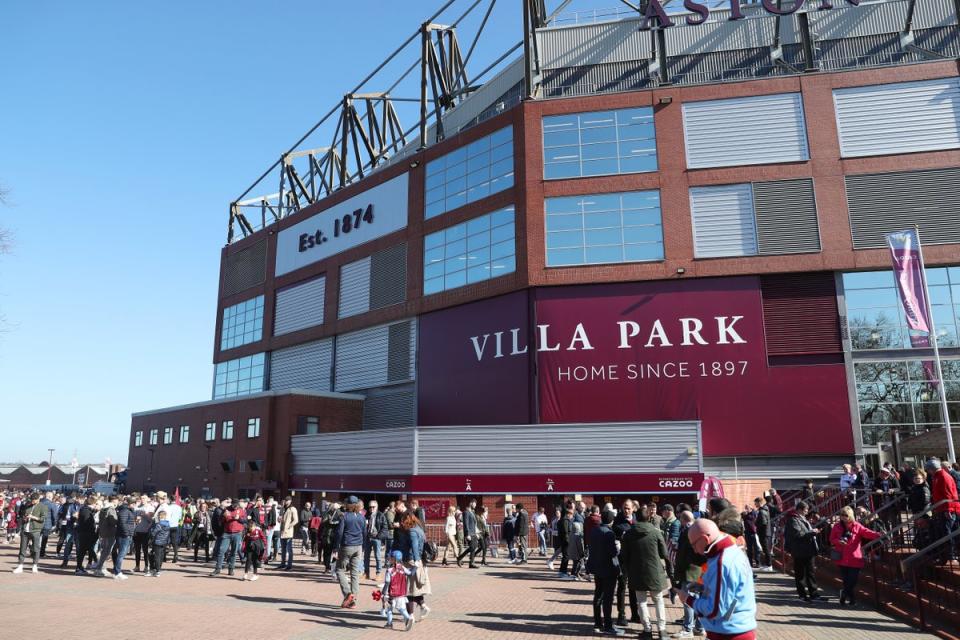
305	366
390	407
723	222
786	214
375	453
388	277
354	288
742	131
362	359
245	268
898	118
800	315
881	203
300	306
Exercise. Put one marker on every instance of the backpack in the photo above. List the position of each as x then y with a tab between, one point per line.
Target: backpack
315	522
429	552
398	585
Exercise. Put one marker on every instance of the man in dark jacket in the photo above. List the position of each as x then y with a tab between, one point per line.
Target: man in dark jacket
376	538
126	523
520	533
563	536
107	532
764	532
328	533
686	571
644	554
216	527
621	524
350	540
86	535
51	523
801	541
470	533
604	565
33	516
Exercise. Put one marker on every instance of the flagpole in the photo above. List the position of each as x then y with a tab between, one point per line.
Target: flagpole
951	454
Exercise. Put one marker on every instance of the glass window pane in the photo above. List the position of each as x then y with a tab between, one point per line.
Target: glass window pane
604	236
561	170
603	150
560	239
639	252
638	164
600	167
563	257
868	280
642	234
604	254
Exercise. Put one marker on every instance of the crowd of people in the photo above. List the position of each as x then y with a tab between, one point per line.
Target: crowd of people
637	555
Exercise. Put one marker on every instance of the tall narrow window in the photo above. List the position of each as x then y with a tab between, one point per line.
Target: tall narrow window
138	439
210	433
154	433
184	433
253	428
227	433
168	435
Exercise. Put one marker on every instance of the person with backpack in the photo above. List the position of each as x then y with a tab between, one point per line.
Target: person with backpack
313	531
393	593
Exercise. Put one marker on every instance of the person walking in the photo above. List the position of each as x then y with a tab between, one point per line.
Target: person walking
846	539
800	539
764	533
450	530
350	540
303	528
418	586
328	534
541	525
622	523
604	564
727	605
687	569
159	539
522	530
564	530
141	533
86	535
35	516
470	535
126	524
375	539
201	533
483	534
749	518
646	561
288	531
53	509
216	525
107	533
254	549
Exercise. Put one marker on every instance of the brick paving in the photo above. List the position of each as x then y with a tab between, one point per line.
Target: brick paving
500	600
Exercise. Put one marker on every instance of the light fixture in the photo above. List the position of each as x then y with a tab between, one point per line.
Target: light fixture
414	164
681	271
665	100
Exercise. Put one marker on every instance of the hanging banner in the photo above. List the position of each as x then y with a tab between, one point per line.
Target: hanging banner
908	272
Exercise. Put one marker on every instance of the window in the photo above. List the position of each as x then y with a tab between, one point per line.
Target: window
903	395
603	228
227	432
307	425
210	434
168	435
184	434
153	436
238	377
744	131
242	465
242	323
253	428
472	251
138	439
903	117
599	143
875	317
470	173
723	221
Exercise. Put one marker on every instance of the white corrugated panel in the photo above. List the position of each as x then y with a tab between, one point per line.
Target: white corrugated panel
726	35
743	131
638	447
354	288
593	44
362	359
773	468
934	13
723	221
304	366
299	306
381	452
879	17
898	118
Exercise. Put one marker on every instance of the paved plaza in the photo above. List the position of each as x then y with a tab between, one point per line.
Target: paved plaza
499	600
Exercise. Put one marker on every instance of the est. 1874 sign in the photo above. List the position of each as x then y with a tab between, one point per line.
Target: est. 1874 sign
355	221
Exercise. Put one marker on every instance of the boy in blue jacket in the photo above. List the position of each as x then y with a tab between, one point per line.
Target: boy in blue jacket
159	539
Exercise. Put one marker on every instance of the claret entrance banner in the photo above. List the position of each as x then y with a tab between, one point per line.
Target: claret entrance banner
683	350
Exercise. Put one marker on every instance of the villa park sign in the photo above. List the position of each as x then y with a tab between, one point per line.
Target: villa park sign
700	12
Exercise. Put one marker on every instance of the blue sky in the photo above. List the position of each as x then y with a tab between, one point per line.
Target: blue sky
125	130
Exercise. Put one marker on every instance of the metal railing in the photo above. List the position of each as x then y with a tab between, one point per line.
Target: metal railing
934	574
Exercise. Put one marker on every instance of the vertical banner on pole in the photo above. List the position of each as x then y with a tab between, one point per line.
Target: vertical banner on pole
908	271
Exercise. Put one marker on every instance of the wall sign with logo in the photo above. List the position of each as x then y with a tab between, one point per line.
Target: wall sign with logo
355	221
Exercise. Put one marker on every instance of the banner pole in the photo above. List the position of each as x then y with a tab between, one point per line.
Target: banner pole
951	454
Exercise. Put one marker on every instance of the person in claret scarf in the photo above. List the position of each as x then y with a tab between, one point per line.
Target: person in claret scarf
727	604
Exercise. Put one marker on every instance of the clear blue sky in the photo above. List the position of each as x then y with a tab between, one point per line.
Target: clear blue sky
126	128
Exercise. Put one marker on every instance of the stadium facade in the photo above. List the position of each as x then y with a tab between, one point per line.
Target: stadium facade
666	264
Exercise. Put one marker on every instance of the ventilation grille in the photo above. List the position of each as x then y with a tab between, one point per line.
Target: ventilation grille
800	314
245	268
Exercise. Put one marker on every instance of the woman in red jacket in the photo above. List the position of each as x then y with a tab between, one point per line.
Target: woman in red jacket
846	539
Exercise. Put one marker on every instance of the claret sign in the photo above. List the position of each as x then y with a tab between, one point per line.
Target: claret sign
639	351
699	12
